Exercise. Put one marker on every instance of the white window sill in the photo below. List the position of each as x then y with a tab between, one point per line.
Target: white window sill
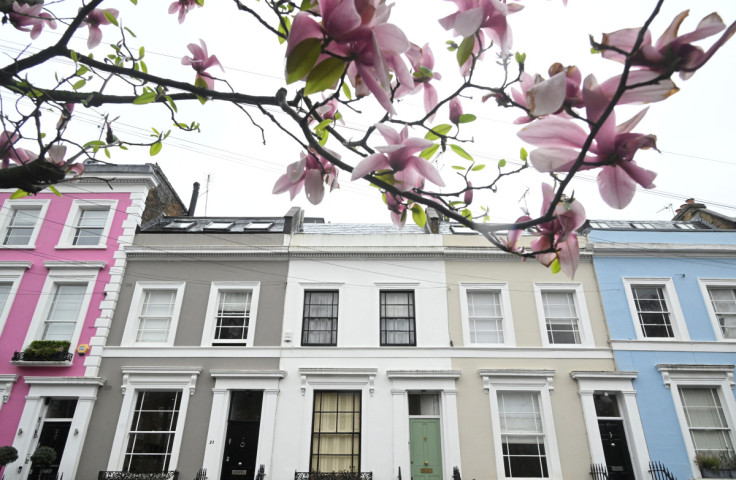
25	363
80	247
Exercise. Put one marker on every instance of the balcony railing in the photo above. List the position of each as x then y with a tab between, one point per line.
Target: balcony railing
34	357
333	475
114	475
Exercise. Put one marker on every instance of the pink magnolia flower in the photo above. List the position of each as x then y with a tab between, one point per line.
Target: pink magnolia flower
409	170
96	18
671	52
200	62
398	208
422	62
468	196
55	155
486	15
30	18
312	172
613	149
182	7
359	29
456	110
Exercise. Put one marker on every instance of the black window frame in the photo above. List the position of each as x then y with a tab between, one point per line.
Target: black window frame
411	317
306	318
648	319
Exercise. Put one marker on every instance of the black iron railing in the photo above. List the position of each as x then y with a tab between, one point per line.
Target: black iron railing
261	474
456	473
114	475
598	471
201	474
399	473
659	472
33	357
333	475
44	476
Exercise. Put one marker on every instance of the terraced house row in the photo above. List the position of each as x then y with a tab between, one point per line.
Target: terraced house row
139	341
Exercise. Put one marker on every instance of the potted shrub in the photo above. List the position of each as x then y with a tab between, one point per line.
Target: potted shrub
43	456
46	350
728	465
710	465
8	455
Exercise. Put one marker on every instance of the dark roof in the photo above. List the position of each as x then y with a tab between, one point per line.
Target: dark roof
643	225
216	225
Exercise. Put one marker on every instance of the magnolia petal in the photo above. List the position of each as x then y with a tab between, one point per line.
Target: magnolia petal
710	25
643	94
568	253
371	163
541	244
548	96
314	186
554	132
95	36
670	34
553	159
391	39
468	22
427	170
430	99
370	81
56	153
512	238
391	136
631	123
340	18
640	175
616	187
624	40
302	28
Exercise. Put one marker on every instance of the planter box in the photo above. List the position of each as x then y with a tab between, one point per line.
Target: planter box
720	473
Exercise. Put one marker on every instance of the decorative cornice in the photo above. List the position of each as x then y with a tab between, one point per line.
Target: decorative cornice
449	374
165	252
689	372
368	373
226	373
606	249
6	384
185	377
65	381
74	264
613	375
541	377
23	264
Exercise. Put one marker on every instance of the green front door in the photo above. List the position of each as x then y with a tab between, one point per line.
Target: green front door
425	448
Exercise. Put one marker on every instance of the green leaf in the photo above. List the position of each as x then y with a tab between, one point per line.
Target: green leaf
82	70
171	104
418	215
306	5
123	147
144	67
466	118
73	54
477	168
54	190
346	91
94	143
523	154
79	84
129	31
110	18
435	132
202	100
465	49
134	2
200	3
458	167
520	57
302	58
324	76
501	163
451	45
284	28
200	83
324	135
466	213
459	150
107	153
144	98
428	153
323	124
155	148
141	52
555	266
455	203
19	194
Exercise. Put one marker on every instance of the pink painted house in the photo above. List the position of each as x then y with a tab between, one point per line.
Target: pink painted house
61	264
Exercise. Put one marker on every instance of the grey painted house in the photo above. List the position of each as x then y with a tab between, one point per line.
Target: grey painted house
193	349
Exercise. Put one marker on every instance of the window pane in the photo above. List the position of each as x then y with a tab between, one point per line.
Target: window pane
397	318
152	430
706	421
560	313
233	315
484	316
156	315
522	434
90	226
336	432
654	315
319	325
724	304
21	225
64	312
4	294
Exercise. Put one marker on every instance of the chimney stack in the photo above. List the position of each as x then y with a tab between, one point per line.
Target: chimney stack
193	201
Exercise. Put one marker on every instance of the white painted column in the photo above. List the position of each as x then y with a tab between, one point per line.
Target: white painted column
590	417
214	448
401	433
638	443
77	433
266	434
25	442
451	440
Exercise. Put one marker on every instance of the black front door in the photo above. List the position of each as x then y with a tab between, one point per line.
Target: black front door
616	449
54	435
241	441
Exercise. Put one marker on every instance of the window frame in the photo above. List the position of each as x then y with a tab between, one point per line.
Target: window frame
721	377
355	393
335	318
61	273
12	273
210	322
705	284
6	214
137	379
532	381
507	321
66	240
578	295
677	319
136	308
412	320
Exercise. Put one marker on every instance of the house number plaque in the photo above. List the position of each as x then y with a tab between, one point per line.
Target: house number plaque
426	470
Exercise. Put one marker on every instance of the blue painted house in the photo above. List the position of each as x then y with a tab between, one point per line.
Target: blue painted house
669	294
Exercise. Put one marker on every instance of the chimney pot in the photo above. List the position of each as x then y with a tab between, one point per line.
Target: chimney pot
690	201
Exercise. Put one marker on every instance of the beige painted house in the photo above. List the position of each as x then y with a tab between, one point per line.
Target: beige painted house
532	349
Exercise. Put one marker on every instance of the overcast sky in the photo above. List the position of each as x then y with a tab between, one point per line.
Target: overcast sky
694	128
